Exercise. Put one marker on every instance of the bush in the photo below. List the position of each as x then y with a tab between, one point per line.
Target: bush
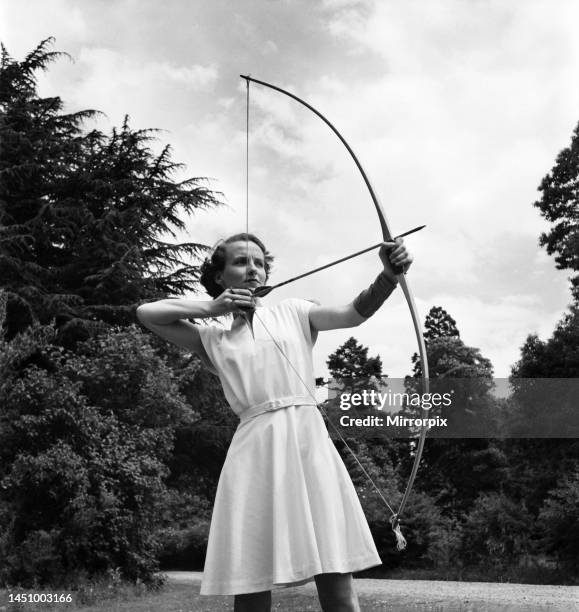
184	549
83	443
559	522
445	538
496	533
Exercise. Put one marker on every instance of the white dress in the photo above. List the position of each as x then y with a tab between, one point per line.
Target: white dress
285	508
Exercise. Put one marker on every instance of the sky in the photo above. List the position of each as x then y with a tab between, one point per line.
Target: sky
456	109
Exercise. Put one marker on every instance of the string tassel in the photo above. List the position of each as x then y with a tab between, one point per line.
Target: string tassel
400	539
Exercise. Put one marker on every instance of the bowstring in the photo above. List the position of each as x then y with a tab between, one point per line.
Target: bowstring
276	343
247	175
247	315
247	164
324	412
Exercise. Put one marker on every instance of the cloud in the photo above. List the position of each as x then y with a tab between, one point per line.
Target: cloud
118	84
500	326
270	48
456	109
193	77
100	64
22	28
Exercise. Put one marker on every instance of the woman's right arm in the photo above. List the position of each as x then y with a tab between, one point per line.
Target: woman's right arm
168	319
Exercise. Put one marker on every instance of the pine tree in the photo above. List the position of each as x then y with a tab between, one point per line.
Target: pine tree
86	219
447	353
351	361
449	463
439	324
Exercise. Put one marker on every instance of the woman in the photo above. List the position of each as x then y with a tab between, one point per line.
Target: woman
286	510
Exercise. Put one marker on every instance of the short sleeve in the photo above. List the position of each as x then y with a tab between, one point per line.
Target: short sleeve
208	333
302	309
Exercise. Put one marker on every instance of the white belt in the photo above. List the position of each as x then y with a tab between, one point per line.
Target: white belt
276	404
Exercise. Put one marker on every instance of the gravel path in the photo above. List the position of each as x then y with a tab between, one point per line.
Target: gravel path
422	595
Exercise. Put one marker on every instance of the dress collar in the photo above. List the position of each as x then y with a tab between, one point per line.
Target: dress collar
240	319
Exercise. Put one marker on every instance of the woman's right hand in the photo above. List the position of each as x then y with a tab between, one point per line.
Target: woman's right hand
232	300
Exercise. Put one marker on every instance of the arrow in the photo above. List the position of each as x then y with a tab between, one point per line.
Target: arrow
266	289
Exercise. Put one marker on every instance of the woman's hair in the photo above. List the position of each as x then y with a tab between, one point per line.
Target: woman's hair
216	262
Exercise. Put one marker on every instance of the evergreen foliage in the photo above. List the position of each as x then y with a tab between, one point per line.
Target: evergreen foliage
558	357
85	218
439	324
535	464
456	471
496	533
111	441
448	356
84	443
89	413
201	446
559	520
559	204
351	361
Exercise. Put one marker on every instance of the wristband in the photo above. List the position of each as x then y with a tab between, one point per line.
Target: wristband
368	302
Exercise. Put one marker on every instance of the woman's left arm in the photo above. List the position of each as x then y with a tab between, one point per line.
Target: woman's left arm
366	303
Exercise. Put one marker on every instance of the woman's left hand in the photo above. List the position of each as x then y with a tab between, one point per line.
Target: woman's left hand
395	258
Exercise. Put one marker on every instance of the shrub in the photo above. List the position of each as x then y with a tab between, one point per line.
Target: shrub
559	522
496	533
184	549
83	443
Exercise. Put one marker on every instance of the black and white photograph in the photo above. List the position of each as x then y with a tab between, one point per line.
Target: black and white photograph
289	305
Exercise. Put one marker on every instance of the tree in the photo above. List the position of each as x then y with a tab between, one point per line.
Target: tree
544	398
496	533
543	404
86	219
447	353
439	324
457	368
201	445
449	463
558	357
351	361
559	204
84	443
89	415
559	521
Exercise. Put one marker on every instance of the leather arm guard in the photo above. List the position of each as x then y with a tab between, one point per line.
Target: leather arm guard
368	302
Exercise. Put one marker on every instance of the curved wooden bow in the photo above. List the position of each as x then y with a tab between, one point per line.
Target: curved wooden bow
387	237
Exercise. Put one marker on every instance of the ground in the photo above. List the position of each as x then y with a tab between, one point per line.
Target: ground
437	595
181	594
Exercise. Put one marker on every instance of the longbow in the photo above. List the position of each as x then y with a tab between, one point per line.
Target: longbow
387	237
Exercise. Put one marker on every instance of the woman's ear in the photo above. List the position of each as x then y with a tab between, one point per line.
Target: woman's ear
219	279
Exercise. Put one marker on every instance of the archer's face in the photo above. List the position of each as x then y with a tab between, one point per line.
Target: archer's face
244	266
